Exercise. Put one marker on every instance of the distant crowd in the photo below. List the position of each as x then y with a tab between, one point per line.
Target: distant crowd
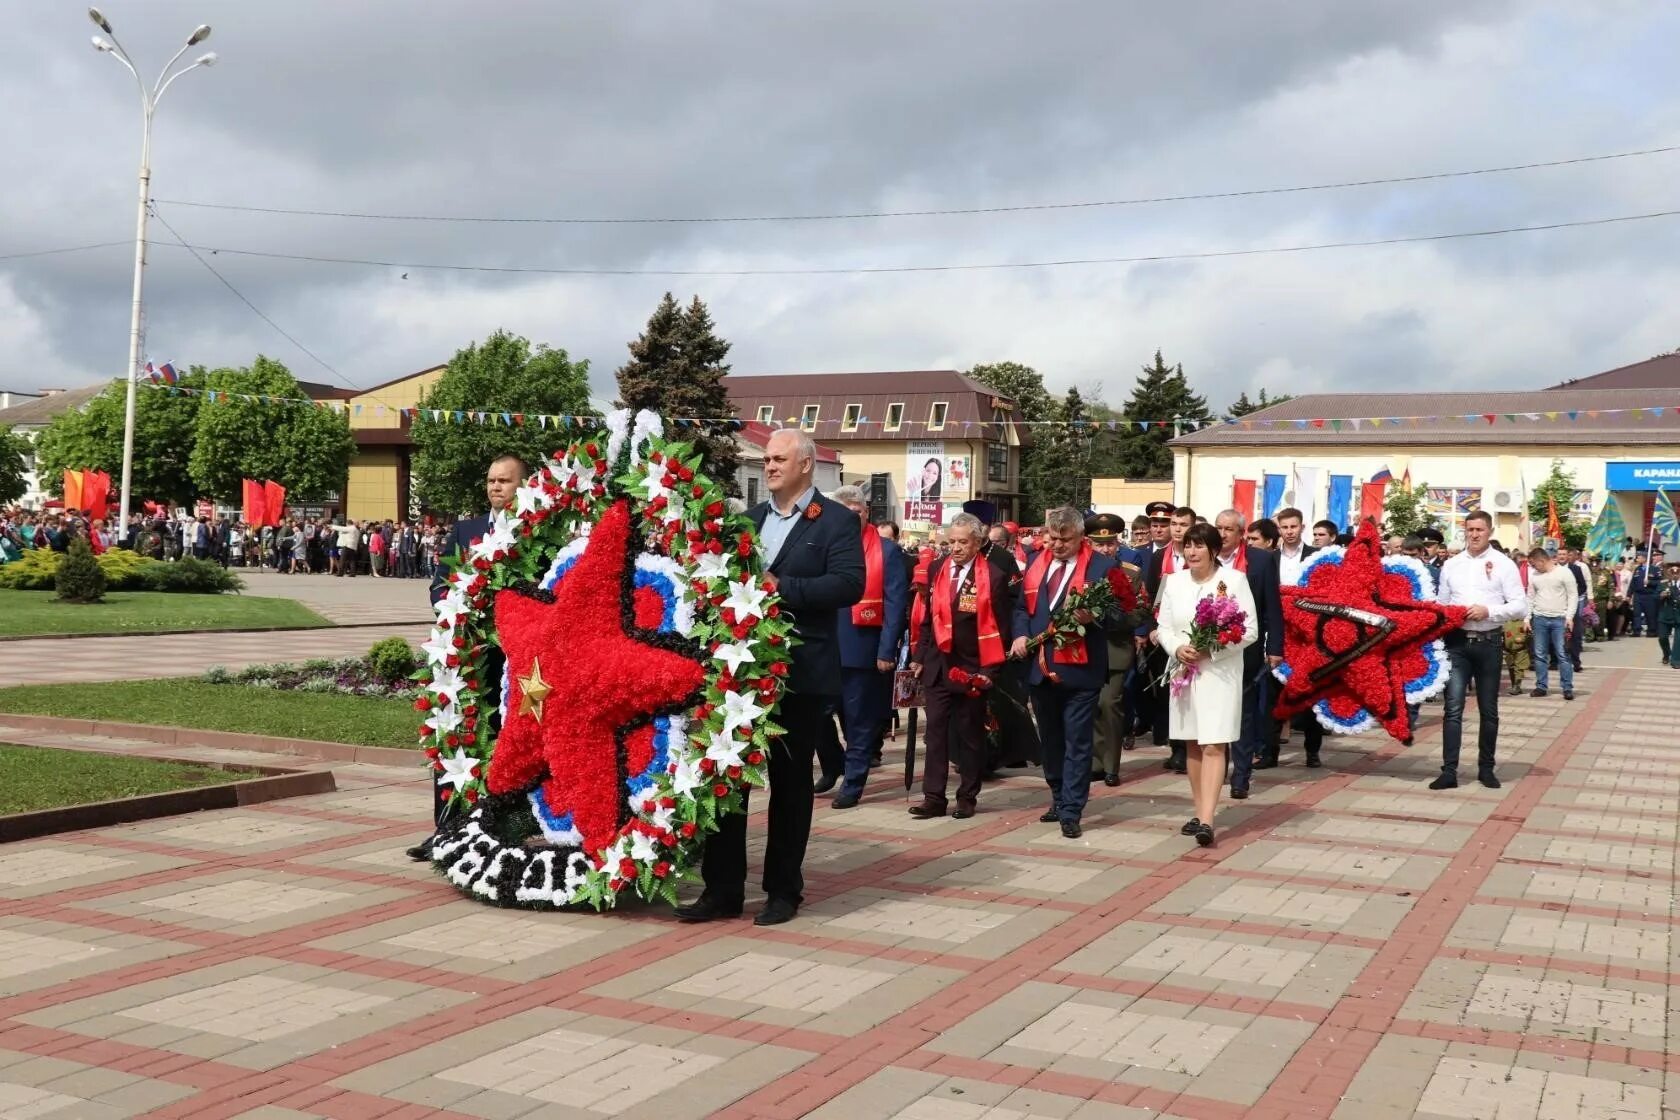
300	546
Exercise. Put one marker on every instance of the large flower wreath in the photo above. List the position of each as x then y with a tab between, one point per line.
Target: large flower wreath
1362	638
643	661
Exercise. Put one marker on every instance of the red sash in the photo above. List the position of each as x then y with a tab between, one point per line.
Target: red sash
918	598
870	610
1076	653
1021	556
991	639
1169	562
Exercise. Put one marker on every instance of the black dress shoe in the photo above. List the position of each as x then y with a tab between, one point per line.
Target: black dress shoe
1071	830
1204	835
1099	776
927	809
1239	793
1488	779
1049	816
422	852
828	782
1445	781
1111	780
1314	762
704	909
963	811
775	912
844	801
1190	827
1266	762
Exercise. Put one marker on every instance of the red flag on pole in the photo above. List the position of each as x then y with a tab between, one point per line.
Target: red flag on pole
274	496
1554	528
96	488
255	503
1371	497
1242	498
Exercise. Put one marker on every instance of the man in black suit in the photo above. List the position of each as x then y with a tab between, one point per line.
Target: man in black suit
1162	563
815	563
1292	553
1260	568
501	482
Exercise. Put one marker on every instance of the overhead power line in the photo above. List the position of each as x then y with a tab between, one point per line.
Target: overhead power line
991	266
63	249
868	214
284	333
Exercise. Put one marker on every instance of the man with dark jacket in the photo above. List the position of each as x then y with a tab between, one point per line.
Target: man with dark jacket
814	556
869	634
501	482
1162	563
1260	568
1106	532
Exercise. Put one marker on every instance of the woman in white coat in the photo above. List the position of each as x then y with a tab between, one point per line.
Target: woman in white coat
1207	714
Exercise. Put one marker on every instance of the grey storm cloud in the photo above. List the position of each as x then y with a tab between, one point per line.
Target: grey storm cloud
749	107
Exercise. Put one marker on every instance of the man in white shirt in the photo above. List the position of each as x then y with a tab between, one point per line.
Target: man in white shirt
1292	553
1553	601
1485	580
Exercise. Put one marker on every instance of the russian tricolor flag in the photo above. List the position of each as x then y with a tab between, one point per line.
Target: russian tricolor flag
1384	475
164	374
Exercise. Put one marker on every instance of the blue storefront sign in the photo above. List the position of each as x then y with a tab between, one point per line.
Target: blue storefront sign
1642	476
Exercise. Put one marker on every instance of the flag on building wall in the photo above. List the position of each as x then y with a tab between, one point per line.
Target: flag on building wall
1371	496
1242	498
1272	499
1339	500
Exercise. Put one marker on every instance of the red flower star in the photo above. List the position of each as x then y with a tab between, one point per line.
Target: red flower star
1365	660
606	683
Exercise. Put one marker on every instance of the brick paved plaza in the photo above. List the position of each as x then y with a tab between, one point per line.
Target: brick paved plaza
1355	947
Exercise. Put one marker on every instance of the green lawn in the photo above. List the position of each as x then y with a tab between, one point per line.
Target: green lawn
43	778
189	702
28	613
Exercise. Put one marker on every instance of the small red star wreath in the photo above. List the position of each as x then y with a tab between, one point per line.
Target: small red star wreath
1362	638
642	661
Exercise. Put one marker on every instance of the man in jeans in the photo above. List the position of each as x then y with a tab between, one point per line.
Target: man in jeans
1483	579
1552	603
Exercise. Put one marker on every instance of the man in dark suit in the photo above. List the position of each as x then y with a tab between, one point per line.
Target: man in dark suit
1066	683
1163	562
1260	568
1017	738
1292	553
1105	531
501	482
964	640
814	554
869	634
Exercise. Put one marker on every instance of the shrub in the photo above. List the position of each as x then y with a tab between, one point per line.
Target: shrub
80	579
37	571
216	674
393	659
189	574
124	570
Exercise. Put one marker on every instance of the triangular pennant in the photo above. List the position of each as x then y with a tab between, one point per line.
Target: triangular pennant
1336	425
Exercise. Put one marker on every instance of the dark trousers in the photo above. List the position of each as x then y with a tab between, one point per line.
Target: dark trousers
831	755
1577	631
1668	639
1066	721
1008	703
1483	661
1256	722
956	732
1114	722
865	704
1645	613
724	866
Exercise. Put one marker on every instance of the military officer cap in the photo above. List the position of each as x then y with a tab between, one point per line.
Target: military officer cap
1159	510
1104	526
984	510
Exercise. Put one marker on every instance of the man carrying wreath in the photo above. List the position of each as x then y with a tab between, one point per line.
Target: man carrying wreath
1066	675
963	624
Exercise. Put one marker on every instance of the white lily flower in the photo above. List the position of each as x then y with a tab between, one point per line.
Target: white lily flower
444	720
735	654
746	599
457	770
438	649
712	565
739	710
447	684
725	750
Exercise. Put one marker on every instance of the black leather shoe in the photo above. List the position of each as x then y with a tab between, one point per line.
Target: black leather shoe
1488	779
1071	830
704	909
422	852
1098	776
1190	827
1239	793
1049	816
963	811
1314	762
1445	781
1204	836
844	801
1568	694
775	912
927	809
828	782
1265	762
1112	780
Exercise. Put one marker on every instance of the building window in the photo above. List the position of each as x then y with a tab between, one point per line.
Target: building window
997	463
766	414
895	417
752	492
936	416
854	413
808	420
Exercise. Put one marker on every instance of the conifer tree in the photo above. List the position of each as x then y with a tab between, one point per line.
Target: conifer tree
676	369
1164	398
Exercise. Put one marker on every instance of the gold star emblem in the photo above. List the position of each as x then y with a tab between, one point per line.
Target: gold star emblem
533	691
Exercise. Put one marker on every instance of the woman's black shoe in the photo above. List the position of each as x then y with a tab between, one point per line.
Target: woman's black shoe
1204	835
1190	827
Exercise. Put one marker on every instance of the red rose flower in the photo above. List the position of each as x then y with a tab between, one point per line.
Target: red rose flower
470	794
424	704
627	868
661	869
813	511
720	790
688	831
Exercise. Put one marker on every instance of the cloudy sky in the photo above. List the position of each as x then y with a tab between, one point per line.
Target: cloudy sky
595	109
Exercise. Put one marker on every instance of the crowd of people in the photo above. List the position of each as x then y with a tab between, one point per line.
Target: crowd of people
299	546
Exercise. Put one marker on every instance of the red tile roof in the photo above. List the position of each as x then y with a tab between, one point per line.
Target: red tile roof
759	436
1660	372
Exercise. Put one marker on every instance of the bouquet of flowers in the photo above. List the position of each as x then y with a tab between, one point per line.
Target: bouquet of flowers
1098	598
974	684
1219	622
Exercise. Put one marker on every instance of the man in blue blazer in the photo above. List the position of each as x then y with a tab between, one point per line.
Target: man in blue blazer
869	634
814	555
501	482
1261	570
1065	685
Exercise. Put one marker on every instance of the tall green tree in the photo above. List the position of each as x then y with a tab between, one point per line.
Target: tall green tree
1559	487
1405	511
91	438
1242	406
1162	394
1061	469
15	450
504	373
676	369
239	435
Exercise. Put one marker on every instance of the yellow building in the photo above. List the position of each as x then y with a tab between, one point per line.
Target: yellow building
1486	451
378	487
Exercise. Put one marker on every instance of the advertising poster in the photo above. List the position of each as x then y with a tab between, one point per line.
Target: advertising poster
924	471
958	482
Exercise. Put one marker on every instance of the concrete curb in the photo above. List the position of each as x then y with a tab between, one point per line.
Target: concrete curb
235	630
278	783
224	740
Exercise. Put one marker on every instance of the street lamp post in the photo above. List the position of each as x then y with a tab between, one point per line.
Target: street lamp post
148	105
